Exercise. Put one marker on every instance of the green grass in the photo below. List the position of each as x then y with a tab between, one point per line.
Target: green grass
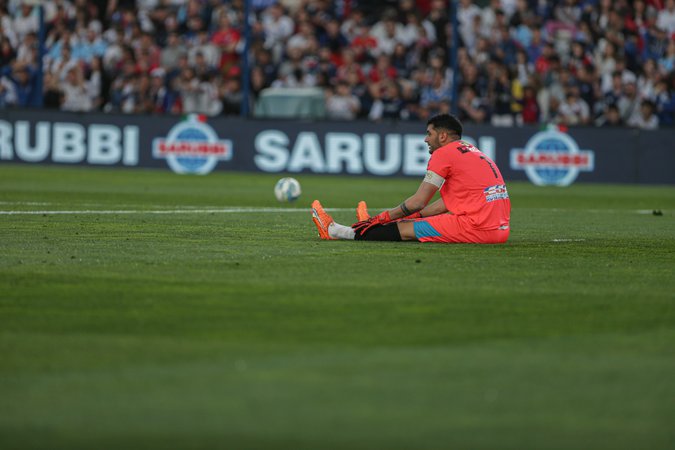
241	331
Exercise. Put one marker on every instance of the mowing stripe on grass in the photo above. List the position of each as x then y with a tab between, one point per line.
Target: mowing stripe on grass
169	211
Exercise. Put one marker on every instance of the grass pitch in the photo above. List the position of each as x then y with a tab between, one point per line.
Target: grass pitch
149	317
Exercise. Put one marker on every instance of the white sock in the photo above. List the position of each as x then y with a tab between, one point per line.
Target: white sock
335	230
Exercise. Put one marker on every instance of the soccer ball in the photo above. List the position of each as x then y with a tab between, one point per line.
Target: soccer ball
287	190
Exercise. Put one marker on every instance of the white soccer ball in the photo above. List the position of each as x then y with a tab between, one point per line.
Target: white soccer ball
287	189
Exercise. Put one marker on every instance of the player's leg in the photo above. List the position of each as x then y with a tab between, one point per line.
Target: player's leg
406	230
386	232
450	228
329	229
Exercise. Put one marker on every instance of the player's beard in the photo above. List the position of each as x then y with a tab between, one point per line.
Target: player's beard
433	146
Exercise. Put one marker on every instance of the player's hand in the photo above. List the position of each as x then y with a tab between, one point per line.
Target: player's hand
365	225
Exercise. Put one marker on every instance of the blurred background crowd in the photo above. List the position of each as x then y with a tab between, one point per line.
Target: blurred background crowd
572	62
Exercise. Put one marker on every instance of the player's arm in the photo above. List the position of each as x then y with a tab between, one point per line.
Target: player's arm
418	201
434	209
431	183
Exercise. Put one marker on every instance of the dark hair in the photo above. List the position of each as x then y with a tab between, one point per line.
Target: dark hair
447	122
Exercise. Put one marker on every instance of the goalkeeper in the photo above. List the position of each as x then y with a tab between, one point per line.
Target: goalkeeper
474	206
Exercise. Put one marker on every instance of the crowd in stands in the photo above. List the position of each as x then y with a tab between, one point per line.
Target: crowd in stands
572	62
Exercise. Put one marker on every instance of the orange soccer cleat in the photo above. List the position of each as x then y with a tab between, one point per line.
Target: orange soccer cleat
362	211
322	220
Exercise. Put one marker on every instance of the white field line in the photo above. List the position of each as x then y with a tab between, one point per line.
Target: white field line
168	211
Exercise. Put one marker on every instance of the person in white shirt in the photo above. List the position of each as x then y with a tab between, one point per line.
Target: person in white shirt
574	110
666	17
644	118
342	104
388	33
76	93
26	21
278	28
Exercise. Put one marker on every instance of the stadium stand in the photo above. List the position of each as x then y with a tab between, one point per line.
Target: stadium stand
572	62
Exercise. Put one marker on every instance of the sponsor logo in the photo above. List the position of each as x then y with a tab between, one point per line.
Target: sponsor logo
69	143
496	192
192	146
340	152
552	158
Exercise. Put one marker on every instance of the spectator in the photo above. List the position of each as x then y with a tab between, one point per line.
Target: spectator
656	42
589	87
53	95
363	45
145	102
341	104
170	54
567	14
435	96
25	21
667	62
202	67
611	118
7	53
666	18
23	90
350	66
231	94
91	44
489	16
387	33
629	102
351	23
292	73
645	119
160	97
471	107
382	70
387	104
278	28
8	95
263	60
501	98
574	110
202	45
76	92
27	51
7	28
529	107
416	30
332	38
95	80
303	39
664	103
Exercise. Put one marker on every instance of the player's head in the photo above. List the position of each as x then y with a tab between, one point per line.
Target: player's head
442	129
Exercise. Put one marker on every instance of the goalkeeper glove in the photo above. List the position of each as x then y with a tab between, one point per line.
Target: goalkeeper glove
364	225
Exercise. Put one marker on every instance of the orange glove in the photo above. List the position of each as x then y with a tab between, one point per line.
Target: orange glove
364	225
415	215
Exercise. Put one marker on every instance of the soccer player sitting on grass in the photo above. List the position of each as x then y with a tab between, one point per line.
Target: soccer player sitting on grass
474	206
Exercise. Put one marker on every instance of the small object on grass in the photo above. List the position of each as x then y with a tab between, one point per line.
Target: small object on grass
657	212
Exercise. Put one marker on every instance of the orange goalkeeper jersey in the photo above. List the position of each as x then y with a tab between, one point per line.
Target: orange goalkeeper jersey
473	185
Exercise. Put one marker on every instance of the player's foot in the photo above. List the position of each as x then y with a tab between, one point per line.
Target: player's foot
321	219
362	211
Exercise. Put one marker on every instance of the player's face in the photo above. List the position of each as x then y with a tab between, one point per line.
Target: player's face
432	140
